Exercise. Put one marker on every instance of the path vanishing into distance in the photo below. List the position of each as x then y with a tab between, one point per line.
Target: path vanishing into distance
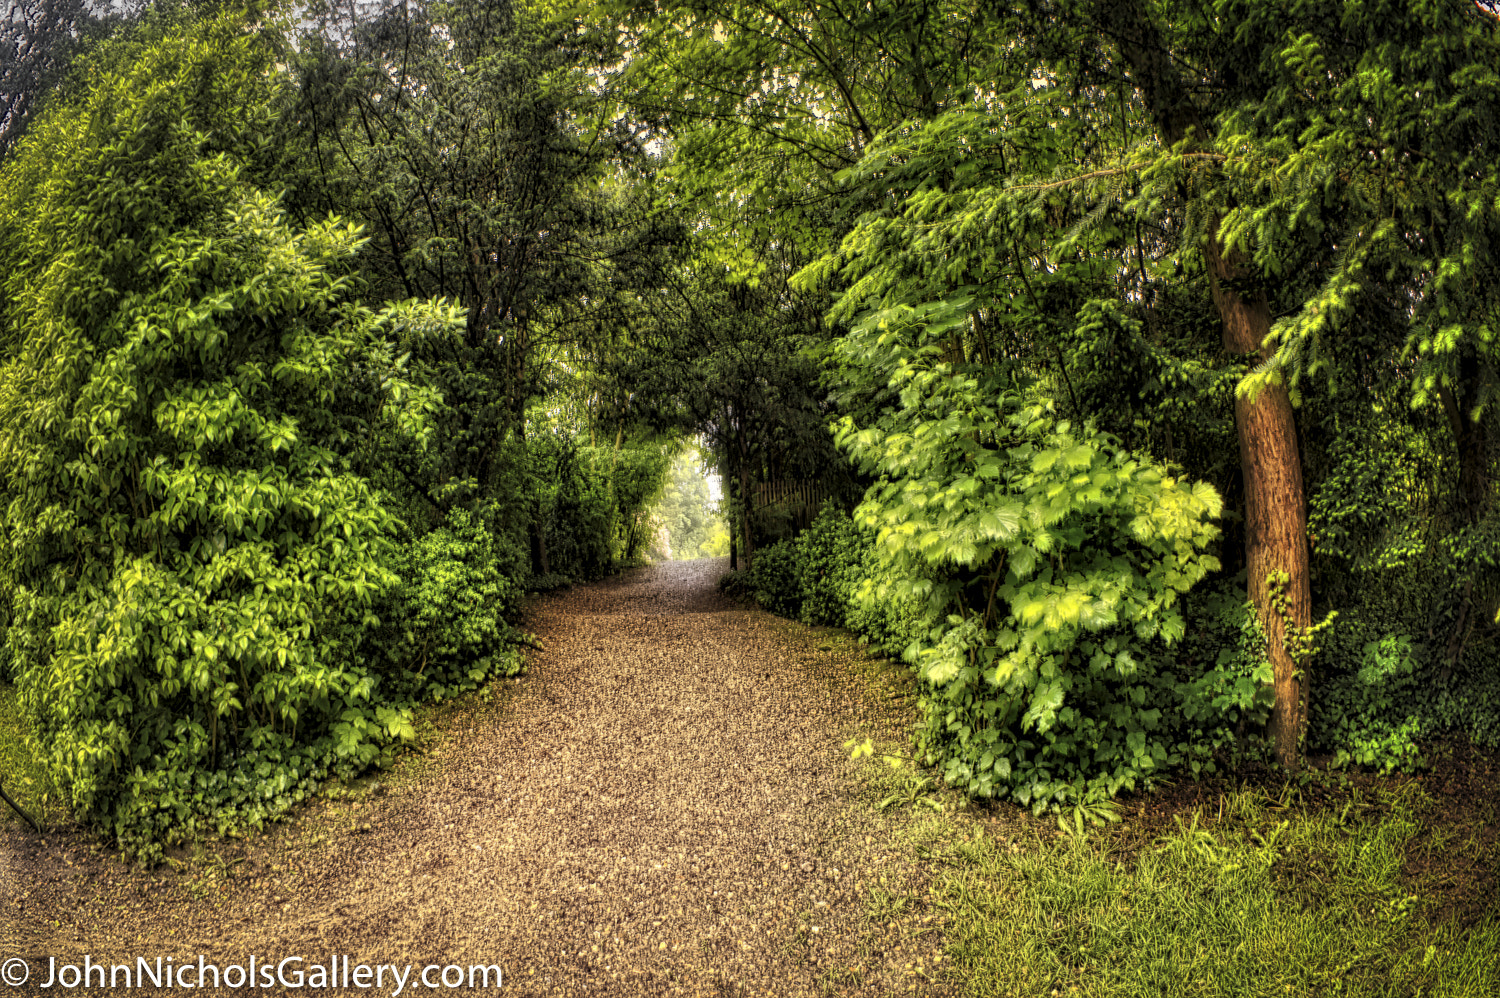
661	806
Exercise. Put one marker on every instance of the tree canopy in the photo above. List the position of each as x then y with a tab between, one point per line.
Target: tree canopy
1132	363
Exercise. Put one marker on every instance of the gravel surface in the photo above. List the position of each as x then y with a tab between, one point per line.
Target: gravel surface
662	806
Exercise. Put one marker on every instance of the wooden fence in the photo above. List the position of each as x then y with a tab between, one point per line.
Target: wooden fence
799	499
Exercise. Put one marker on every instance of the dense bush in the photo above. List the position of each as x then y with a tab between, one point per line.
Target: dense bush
1377	705
578	501
820	578
828	566
1382	709
1217	681
774	578
448	616
192	567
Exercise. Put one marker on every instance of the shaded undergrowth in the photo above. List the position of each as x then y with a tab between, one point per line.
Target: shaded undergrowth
21	774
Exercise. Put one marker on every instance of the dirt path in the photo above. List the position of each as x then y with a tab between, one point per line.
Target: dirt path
662	807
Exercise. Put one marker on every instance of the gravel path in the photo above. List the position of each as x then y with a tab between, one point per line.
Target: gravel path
661	807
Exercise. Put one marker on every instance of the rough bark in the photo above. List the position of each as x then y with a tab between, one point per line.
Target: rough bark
1270	460
1275	507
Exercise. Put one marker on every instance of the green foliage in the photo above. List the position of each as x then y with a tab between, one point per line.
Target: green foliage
1375	504
774	579
1225	681
637	476
1091	808
819	576
685	514
191	565
575	499
22	773
449	615
1051	563
912	789
889	621
913	793
726	364
829	554
717	545
1384	713
1362	705
1385	687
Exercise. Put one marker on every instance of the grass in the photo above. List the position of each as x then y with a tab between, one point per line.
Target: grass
1250	901
1320	886
21	774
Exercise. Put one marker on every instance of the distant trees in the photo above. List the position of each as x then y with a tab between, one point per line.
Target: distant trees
726	362
38	40
465	138
685	512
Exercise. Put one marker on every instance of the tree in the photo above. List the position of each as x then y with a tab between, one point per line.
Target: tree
464	137
190	559
685	512
1053	222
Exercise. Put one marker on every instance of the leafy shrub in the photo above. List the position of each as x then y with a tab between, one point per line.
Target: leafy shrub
735	583
774	579
1381	694
580	511
1380	715
450	612
890	621
190	565
1357	712
547	582
828	564
1221	687
835	561
1051	563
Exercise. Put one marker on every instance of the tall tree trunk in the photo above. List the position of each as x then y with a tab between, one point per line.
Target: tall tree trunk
745	516
1475	490
1471	440
1275	507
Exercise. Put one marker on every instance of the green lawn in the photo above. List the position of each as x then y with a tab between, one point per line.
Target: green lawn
1255	900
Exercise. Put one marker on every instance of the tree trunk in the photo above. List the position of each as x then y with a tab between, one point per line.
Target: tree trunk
539	561
746	517
1470	439
1475	492
1275	508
